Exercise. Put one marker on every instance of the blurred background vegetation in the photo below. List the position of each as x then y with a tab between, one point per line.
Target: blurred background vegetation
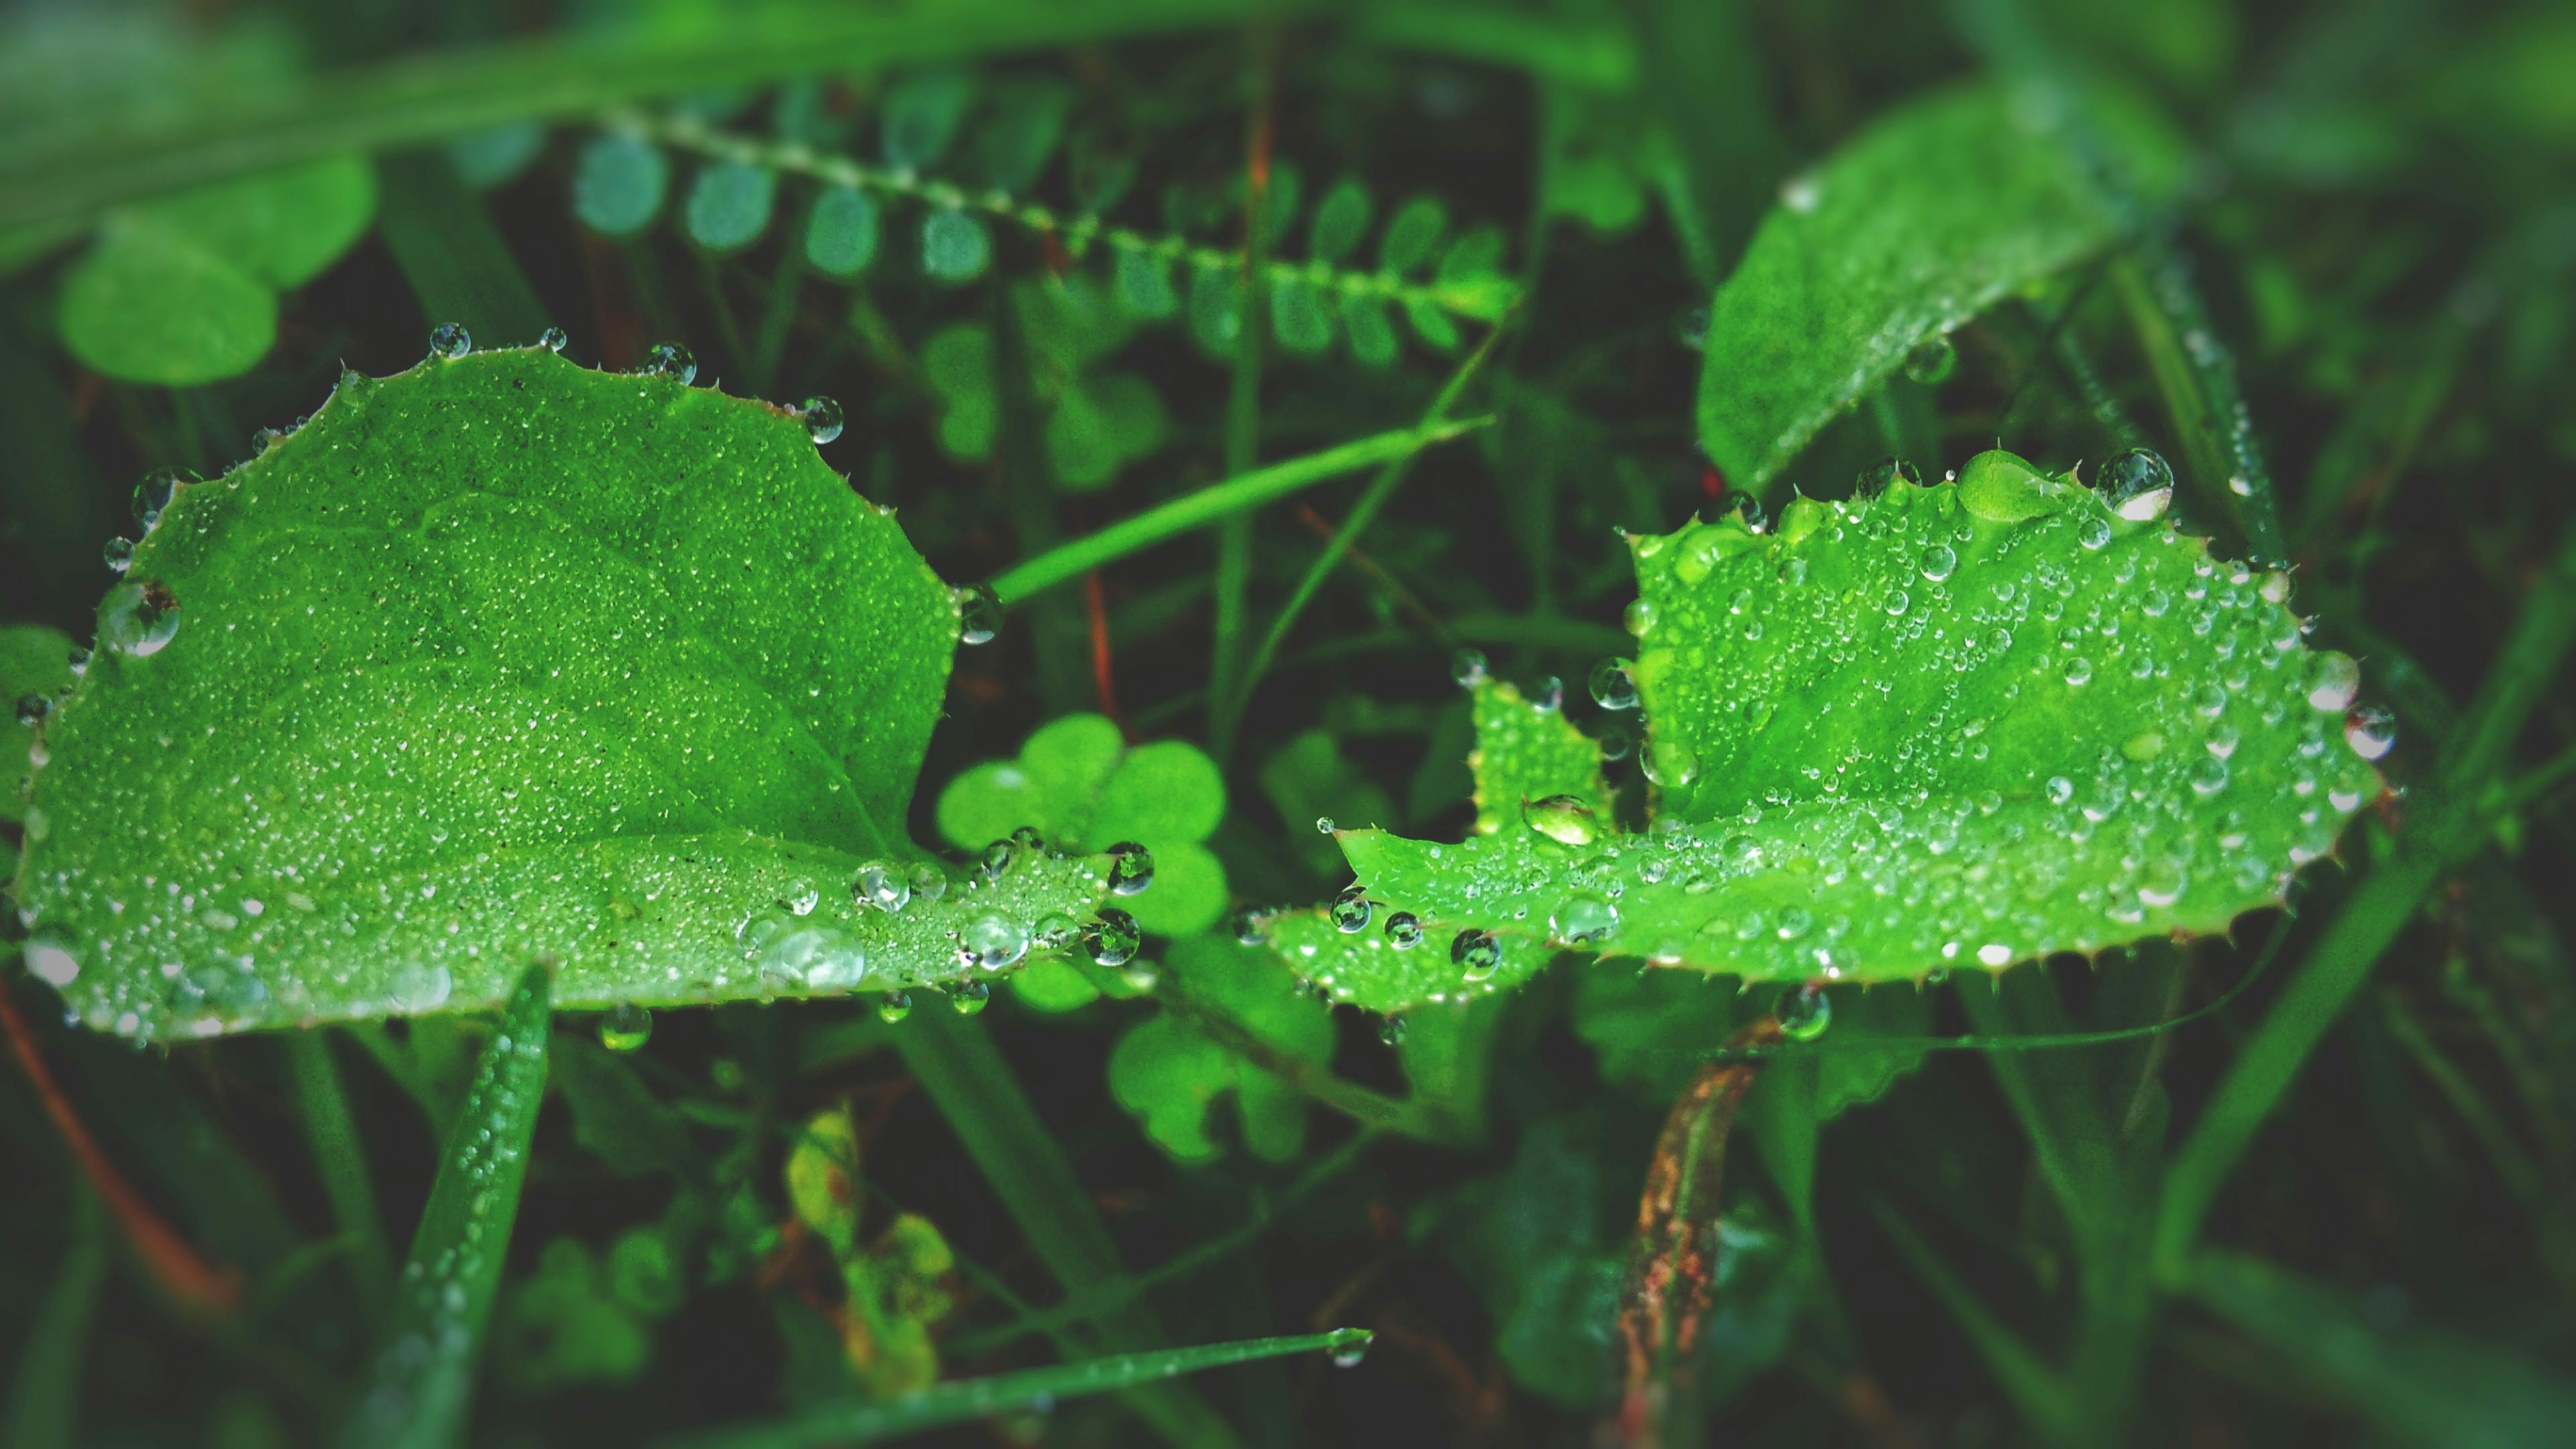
988	231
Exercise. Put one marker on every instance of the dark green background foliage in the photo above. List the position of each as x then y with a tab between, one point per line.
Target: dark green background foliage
1579	279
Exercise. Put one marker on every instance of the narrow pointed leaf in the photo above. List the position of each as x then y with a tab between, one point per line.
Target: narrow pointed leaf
423	1381
497	658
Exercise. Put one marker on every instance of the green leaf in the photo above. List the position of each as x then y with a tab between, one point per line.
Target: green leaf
182	290
729	205
841	236
1412	235
34	668
1526	753
1022	133
1918	224
497	658
618	184
1300	317
955	247
423	1380
1216	308
1372	335
1169	1076
1142	284
496	156
922	114
561	1327
1949	726
958	360
1077	783
1341	220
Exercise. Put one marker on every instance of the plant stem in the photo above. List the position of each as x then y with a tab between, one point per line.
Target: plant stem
1243	402
341	1159
1217	501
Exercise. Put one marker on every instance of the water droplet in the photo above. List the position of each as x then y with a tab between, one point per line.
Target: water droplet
1251	927
997	940
1348	1346
1548	695
2137	484
2060	789
1351	910
1932	362
894	1006
671	360
51	961
2370	731
32	708
2335	680
152	496
1131	868
929	882
995	860
1323	825
1403	930
1612	688
1938	562
1391	1031
1467	666
419	987
2094	533
2079	671
1793	922
968	997
1994	953
822	419
979	615
1898	601
1804	1012
1583	919
138	618
1670	764
118	555
1615	743
625	1027
1561	818
1474	952
1882	475
554	339
1113	939
2209	776
886	887
1802	193
449	340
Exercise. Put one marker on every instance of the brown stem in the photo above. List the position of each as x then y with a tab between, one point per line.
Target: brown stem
1672	1263
181	1273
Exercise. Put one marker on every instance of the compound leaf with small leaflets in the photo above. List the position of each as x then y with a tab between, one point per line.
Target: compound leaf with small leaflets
1948	726
496	660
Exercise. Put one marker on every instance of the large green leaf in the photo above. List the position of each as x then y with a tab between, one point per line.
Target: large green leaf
1918	224
1949	726
499	659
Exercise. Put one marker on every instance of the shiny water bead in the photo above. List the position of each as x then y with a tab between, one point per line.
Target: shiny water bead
1804	1012
2370	731
671	360
885	887
2334	680
998	940
118	555
1561	818
1475	950
968	997
1403	930
1324	825
1467	666
1547	696
1932	362
1583	918
1348	1346
894	1006
2137	484
1612	688
625	1027
554	339
78	659
1879	476
1391	1031
138	617
1615	743
995	860
449	340
153	495
1030	842
822	419
1131	868
1351	910
979	615
32	708
1937	561
1113	939
928	881
1053	931
1251	927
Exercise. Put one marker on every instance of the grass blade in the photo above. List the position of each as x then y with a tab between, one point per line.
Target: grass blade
2197	376
341	1160
1029	1389
44	1387
1216	502
423	1381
